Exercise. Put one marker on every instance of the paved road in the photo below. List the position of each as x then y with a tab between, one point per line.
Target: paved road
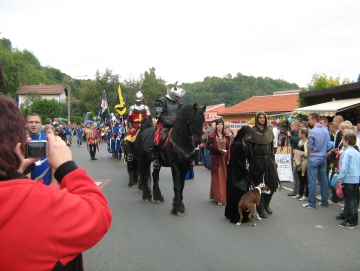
145	236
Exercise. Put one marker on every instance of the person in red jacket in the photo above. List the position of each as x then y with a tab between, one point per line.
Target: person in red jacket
45	227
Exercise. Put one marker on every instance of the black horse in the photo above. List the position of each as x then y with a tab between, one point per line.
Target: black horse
185	136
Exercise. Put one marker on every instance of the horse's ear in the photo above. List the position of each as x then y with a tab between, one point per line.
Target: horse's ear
204	108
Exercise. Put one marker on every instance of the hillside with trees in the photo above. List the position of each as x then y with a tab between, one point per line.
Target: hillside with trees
23	68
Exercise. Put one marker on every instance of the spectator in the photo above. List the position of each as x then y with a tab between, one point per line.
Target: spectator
218	144
357	131
300	158
325	122
316	168
49	129
349	173
42	169
276	134
201	147
60	223
229	131
294	141
206	150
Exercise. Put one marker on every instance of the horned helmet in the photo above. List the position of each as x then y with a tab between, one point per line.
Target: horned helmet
176	92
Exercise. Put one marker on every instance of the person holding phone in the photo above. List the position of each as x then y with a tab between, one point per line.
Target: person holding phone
45	227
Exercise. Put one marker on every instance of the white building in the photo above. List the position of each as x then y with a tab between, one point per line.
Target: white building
56	92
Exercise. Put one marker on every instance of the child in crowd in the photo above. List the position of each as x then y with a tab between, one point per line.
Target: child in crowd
349	174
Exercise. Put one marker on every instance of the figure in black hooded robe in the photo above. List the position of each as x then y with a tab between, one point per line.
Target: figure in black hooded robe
238	177
263	165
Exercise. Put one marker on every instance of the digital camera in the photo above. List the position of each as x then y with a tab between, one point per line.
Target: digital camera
37	148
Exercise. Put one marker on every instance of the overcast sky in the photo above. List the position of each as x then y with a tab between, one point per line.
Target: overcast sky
188	40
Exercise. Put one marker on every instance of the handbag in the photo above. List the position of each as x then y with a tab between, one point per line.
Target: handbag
339	191
241	184
334	180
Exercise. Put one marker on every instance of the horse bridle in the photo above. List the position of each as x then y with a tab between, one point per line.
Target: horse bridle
187	155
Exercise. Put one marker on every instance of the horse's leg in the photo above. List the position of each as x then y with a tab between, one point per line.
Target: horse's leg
144	177
178	206
156	189
130	168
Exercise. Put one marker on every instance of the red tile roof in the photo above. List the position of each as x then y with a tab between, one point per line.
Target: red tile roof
268	104
41	89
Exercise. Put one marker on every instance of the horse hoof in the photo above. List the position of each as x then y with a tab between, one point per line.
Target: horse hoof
180	214
238	224
159	201
147	200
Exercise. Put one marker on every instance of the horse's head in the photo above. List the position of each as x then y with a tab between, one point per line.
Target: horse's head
195	122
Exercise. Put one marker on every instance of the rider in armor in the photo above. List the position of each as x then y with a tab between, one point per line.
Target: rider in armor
137	112
166	110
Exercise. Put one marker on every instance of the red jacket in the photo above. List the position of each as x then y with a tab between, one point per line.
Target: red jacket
46	226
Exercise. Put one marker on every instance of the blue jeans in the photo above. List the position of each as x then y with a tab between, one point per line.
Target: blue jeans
79	140
202	157
351	192
317	170
207	158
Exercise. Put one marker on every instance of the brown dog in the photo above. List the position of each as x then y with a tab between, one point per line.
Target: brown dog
251	199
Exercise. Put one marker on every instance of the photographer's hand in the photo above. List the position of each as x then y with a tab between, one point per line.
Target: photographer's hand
59	153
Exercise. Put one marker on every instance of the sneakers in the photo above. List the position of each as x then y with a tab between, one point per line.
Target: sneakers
318	197
344	224
303	198
322	205
297	196
307	205
203	167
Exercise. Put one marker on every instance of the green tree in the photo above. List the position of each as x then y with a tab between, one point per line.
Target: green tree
153	87
46	108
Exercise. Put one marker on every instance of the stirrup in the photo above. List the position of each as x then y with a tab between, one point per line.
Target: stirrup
192	164
156	164
129	157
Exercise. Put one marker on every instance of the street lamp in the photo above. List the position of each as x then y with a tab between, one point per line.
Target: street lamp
69	87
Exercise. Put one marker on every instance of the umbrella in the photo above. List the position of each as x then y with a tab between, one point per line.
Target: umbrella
88	121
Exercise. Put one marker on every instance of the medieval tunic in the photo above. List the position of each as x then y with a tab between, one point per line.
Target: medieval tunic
263	160
219	160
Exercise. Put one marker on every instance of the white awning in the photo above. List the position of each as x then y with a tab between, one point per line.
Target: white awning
328	109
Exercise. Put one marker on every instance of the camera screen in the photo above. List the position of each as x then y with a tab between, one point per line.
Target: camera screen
36	149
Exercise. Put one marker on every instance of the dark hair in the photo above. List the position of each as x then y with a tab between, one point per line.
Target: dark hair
12	131
305	123
220	121
351	138
244	131
325	119
315	116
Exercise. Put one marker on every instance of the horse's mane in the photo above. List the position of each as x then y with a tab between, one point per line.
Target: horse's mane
146	123
181	133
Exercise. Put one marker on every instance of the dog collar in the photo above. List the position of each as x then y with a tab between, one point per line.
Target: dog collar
258	188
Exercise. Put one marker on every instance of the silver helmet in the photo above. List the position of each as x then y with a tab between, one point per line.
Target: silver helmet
139	96
176	92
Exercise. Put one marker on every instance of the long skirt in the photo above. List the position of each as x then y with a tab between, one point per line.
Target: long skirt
218	183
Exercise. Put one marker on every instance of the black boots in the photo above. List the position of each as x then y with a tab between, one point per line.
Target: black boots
267	199
262	213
